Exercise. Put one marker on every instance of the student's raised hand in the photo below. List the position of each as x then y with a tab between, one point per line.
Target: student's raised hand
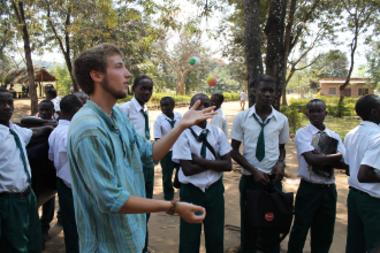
194	116
190	213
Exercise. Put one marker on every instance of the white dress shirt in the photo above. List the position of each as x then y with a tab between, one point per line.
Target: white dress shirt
304	137
220	121
58	151
12	173
363	147
162	126
246	130
186	145
132	109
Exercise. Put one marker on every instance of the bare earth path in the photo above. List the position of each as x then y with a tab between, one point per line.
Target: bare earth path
163	229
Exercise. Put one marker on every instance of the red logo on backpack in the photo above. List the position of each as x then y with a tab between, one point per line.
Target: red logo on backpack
269	216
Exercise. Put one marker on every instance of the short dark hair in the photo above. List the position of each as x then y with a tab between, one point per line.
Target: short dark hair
94	58
47	102
365	104
138	80
69	104
262	79
167	98
51	91
219	97
315	100
197	97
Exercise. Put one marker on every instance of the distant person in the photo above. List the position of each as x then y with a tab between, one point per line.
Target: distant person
363	158
137	113
218	120
243	99
315	207
51	94
203	152
46	112
106	157
19	225
164	123
69	105
263	131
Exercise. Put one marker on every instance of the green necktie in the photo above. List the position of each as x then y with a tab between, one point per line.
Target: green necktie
203	138
171	122
22	154
147	132
260	147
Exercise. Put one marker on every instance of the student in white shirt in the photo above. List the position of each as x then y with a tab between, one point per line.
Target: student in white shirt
137	113
69	105
19	224
243	99
263	131
363	158
164	123
315	207
218	120
201	180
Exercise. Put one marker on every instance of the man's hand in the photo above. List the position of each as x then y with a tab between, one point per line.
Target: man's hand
190	213
194	116
278	171
260	177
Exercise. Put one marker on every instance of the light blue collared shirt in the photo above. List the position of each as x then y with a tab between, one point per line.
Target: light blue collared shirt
105	156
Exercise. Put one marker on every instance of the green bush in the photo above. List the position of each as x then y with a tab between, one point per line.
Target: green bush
295	116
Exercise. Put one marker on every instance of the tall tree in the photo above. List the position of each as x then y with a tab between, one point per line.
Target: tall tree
22	27
361	15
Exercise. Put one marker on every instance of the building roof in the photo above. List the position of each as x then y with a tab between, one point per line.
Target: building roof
341	80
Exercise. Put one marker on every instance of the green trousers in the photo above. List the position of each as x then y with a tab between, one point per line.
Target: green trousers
148	171
20	230
168	167
249	237
213	201
315	209
363	232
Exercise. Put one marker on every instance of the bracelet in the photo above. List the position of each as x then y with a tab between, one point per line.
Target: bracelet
173	207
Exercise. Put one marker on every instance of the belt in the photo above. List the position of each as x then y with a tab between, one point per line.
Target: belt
323	186
16	194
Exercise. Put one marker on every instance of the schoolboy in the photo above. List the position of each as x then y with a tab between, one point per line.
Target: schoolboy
263	131
164	123
137	113
218	120
69	105
315	206
363	158
19	225
45	110
109	193
201	178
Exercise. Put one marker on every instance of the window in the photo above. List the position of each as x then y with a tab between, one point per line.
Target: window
363	91
332	91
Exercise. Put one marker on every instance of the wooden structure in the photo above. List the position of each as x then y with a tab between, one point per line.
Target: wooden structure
357	87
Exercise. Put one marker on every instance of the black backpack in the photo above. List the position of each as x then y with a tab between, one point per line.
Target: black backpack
270	210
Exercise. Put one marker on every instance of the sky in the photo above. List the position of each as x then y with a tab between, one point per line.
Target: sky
210	24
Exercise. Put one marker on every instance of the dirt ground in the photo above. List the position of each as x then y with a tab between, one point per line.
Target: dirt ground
164	229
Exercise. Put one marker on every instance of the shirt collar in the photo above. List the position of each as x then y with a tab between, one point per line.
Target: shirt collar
137	105
315	130
273	114
63	122
369	124
109	120
197	129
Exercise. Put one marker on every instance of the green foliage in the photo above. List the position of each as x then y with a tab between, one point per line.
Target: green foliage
294	115
63	82
334	63
373	59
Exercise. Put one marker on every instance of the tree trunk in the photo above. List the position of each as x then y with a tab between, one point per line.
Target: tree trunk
252	44
354	44
274	61
19	11
180	84
287	41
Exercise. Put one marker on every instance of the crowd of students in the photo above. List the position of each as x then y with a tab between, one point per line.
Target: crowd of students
104	159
